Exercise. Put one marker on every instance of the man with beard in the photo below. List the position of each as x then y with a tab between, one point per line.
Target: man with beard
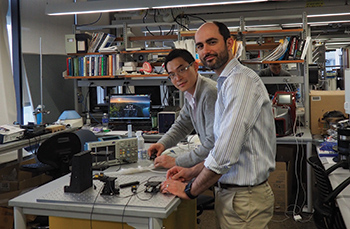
245	145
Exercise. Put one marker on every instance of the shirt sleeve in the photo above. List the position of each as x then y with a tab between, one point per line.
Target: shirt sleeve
200	153
179	130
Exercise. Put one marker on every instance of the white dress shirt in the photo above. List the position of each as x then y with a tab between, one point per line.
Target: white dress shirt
244	129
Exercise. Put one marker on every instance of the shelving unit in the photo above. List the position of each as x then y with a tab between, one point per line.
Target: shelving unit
302	65
245	34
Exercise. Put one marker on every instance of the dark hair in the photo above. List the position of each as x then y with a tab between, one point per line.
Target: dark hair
224	31
183	53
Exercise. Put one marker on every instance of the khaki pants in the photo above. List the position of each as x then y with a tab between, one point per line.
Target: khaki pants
244	207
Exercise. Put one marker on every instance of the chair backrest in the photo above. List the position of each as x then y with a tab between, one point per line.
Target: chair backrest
85	136
324	186
327	214
58	150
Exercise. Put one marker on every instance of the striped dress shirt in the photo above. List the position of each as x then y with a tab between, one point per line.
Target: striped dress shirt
244	130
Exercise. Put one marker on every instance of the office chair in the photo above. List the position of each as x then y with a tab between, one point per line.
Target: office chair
205	202
55	154
327	214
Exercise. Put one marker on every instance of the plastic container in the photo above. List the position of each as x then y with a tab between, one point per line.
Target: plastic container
105	120
141	151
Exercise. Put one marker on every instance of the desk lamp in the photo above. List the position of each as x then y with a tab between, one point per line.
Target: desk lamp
71	118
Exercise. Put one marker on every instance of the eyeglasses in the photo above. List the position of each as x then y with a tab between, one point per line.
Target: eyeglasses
179	72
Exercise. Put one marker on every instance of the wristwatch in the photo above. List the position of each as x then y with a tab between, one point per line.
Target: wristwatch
188	190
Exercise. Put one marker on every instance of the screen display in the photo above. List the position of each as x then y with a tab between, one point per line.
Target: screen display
284	99
153	91
129	107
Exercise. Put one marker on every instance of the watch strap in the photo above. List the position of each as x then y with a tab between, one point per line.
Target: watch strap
188	190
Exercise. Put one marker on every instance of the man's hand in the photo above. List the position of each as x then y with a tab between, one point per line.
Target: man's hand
174	187
164	161
180	173
155	149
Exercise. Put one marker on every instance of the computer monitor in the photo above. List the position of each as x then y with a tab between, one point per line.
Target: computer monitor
313	74
154	92
129	107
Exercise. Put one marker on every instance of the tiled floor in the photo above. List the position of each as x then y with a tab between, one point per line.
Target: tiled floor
279	220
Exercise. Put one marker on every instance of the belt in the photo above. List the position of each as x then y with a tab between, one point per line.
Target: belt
226	186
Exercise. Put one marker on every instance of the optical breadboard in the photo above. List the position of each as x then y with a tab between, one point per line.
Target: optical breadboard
122	150
92	195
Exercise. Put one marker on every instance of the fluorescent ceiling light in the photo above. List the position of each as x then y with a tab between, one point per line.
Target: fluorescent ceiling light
328	15
201	3
287	25
103	6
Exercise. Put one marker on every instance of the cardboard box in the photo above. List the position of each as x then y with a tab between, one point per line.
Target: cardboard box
6	218
13	180
280	182
322	102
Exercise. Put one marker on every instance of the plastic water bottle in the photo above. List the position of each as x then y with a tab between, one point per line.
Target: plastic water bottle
105	120
140	146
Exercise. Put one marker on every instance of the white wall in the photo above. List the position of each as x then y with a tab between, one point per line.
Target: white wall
36	24
51	29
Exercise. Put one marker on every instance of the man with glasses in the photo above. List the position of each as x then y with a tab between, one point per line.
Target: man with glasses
244	151
196	114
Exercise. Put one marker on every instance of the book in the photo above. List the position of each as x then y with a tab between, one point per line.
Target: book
92	42
290	48
287	39
305	48
100	42
95	41
293	47
108	41
300	49
69	66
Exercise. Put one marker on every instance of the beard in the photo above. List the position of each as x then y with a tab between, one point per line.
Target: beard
218	62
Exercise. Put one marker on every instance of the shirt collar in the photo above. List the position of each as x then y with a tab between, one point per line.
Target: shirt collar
229	67
192	99
226	72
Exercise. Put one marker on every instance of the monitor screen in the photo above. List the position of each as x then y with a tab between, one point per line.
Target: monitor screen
153	91
284	99
129	107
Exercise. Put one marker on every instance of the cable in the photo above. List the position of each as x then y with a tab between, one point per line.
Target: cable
143	20
154	18
165	94
171	30
93	205
92	22
128	89
191	15
125	208
175	19
83	101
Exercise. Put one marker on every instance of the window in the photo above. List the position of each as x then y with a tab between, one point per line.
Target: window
333	60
